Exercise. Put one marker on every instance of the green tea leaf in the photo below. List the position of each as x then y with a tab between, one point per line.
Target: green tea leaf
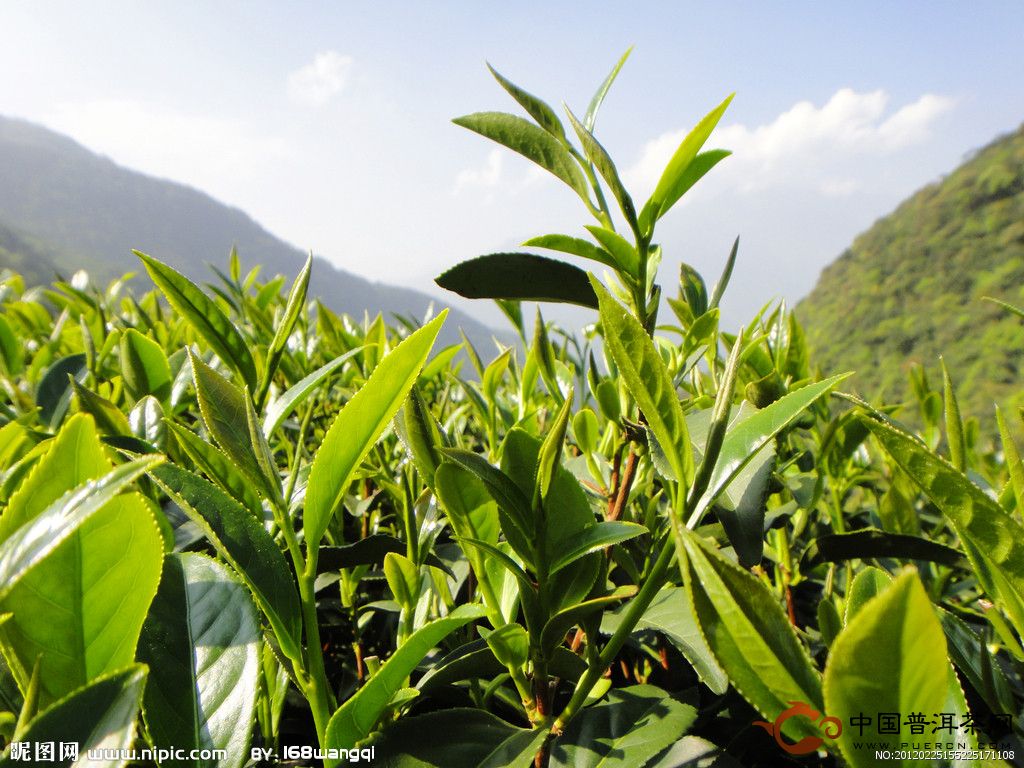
674	179
537	109
870	543
671	613
556	627
644	372
359	424
98	716
245	544
205	316
519	276
296	304
224	408
599	156
470	736
108	416
623	253
144	366
299	392
867	584
514	510
53	395
212	462
749	634
992	539
590	118
354	720
79	564
627	729
201	641
369	551
575	246
890	658
743	443
593	538
531	142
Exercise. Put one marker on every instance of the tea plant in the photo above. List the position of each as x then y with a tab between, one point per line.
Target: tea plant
245	522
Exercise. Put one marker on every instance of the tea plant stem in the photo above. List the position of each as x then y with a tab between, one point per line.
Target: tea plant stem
652	585
317	690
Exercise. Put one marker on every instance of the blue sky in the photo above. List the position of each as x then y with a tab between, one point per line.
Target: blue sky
330	122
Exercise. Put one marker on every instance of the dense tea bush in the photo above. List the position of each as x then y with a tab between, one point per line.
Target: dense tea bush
233	520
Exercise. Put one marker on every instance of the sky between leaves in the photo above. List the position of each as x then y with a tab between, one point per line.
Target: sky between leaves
330	124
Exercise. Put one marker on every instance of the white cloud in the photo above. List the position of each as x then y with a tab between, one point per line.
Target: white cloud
806	145
220	156
486	176
319	81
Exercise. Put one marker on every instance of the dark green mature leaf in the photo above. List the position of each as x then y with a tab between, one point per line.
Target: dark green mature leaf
871	543
590	118
648	380
359	424
629	728
243	542
968	651
536	108
890	658
297	394
201	641
470	735
599	156
355	718
576	246
992	539
671	613
53	395
519	276
144	366
205	316
749	634
99	716
531	142
369	551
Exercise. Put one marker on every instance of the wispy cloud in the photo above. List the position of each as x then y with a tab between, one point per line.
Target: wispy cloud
322	79
807	145
486	176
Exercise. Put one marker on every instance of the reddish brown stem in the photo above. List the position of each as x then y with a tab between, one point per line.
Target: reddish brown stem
615	510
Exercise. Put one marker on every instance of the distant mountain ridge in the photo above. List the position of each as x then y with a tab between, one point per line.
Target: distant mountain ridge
911	288
64	208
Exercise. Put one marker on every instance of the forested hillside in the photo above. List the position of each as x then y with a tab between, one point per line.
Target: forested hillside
64	208
914	285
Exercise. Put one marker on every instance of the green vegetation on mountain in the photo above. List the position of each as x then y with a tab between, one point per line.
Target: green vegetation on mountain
64	208
914	285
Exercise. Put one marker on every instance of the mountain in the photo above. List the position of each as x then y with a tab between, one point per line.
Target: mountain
64	208
912	287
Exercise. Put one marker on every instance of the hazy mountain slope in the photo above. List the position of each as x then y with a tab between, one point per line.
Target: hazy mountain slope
77	209
911	287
